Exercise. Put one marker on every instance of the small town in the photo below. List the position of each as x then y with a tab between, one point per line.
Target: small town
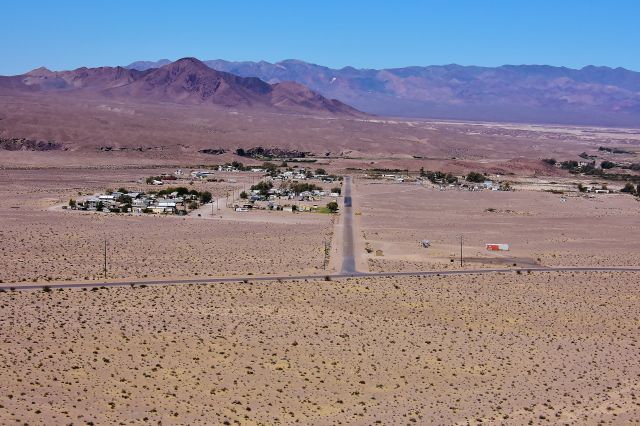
173	198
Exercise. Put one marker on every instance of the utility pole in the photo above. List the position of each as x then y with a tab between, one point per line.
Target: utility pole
105	259
326	255
461	251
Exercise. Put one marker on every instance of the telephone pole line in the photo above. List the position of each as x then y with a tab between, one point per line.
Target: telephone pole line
461	251
105	258
326	255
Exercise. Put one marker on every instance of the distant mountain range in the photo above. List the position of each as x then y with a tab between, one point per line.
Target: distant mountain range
520	93
185	81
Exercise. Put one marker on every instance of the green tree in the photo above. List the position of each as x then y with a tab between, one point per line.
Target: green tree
72	203
475	177
263	187
321	172
125	199
629	188
244	195
337	190
205	197
332	206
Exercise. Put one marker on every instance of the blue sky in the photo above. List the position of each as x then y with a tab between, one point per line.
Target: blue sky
67	34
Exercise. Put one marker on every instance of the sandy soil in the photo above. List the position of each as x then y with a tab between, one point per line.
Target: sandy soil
37	244
166	134
540	227
540	347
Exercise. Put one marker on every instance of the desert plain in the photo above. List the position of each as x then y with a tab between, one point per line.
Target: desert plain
514	342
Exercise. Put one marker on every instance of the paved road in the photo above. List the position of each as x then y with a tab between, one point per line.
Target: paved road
39	286
348	250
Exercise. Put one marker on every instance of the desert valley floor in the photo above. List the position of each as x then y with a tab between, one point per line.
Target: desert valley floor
513	346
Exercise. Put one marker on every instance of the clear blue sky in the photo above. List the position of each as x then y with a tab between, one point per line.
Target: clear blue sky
67	34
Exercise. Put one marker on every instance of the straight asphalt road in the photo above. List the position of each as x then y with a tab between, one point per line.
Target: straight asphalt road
200	281
348	250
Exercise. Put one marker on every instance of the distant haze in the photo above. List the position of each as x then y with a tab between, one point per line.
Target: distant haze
518	93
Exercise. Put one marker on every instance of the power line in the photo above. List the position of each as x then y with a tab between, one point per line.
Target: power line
105	258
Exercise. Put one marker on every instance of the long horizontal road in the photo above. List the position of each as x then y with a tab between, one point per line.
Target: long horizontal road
131	283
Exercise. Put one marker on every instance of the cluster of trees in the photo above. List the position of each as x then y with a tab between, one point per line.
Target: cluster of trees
589	168
570	165
475	177
203	196
437	177
263	187
602	172
614	150
298	187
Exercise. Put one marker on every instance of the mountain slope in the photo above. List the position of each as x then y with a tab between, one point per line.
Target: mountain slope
529	93
186	81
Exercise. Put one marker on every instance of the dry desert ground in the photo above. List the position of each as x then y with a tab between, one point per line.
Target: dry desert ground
39	242
539	348
541	228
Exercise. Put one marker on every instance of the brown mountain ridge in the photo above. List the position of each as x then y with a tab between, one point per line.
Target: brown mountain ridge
185	81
